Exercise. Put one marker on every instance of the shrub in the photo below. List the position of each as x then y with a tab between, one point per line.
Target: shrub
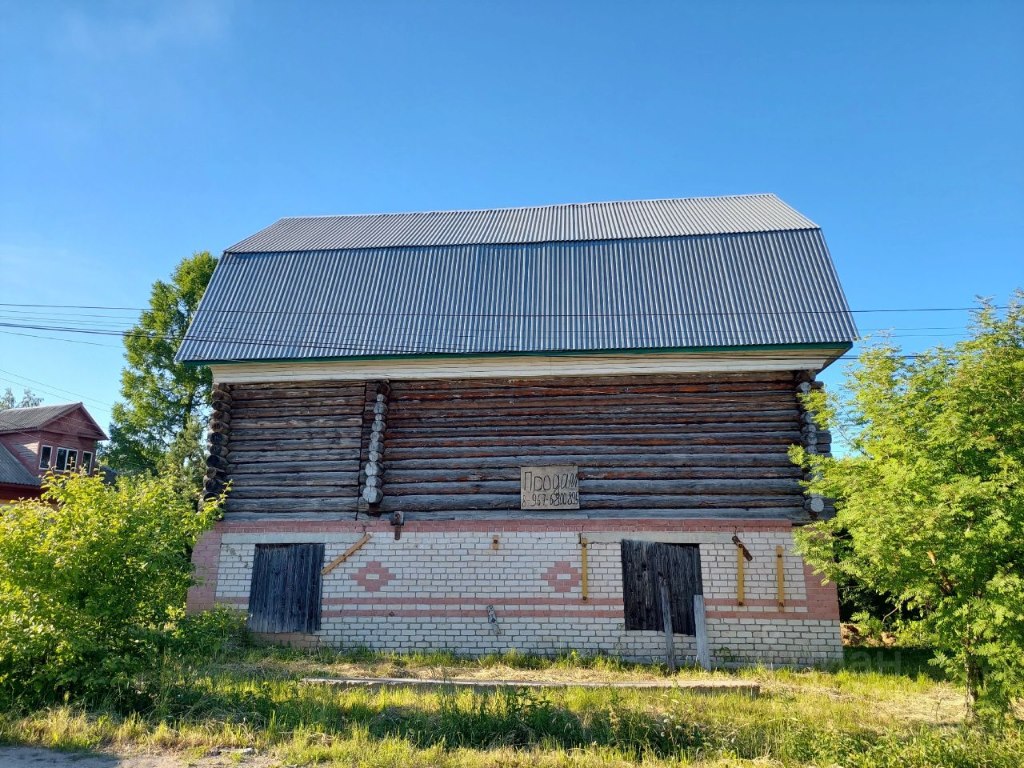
90	577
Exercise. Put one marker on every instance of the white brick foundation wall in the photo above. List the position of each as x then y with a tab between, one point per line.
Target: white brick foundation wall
436	586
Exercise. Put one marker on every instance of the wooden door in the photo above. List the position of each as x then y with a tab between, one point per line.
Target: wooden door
284	595
644	564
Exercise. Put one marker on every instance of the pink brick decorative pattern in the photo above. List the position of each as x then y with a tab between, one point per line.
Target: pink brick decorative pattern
562	577
373	576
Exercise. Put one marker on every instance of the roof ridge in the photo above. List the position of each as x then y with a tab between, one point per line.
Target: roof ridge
528	207
41	406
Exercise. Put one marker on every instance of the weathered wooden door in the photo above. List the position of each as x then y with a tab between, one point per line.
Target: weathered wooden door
644	564
284	595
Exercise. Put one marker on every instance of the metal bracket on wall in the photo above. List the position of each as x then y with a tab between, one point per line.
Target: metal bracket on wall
742	557
780	576
584	569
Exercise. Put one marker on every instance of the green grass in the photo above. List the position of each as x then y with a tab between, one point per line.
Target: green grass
879	709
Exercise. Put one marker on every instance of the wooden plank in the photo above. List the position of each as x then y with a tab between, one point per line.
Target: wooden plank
397	441
293	422
294	443
596	488
780	577
741	563
346	504
436	392
584	569
311	457
490	424
288	466
710	446
666	618
701	629
346	554
792	514
695	456
303	475
398	474
293	490
441	502
600	379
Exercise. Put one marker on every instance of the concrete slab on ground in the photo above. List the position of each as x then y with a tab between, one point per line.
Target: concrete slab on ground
691	686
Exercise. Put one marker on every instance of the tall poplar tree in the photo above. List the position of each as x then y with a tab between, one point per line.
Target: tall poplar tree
159	424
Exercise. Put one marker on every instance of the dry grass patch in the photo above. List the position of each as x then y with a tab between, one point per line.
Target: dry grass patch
845	717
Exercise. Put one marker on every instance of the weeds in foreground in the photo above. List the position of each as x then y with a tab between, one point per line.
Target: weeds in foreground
848	717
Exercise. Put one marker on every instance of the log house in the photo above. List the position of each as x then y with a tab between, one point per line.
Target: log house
542	429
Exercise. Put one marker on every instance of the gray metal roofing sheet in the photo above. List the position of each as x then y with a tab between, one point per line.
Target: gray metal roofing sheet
767	288
15	419
628	219
13	472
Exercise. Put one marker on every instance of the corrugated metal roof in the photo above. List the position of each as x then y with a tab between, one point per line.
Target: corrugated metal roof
754	289
628	219
15	419
13	472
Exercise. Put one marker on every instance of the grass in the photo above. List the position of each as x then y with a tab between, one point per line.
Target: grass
882	708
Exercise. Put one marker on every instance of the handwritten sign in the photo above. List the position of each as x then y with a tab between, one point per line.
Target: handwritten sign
555	487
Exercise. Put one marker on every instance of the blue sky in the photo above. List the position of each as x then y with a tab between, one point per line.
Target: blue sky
132	134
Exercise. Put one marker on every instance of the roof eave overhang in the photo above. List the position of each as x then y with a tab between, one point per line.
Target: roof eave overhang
833	350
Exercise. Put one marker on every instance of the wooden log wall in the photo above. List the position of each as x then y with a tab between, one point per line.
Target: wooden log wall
646	446
294	447
709	445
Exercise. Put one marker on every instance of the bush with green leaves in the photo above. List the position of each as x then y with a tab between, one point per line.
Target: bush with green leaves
92	579
930	498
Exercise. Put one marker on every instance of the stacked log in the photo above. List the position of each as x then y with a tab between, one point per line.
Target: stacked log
372	477
217	442
814	440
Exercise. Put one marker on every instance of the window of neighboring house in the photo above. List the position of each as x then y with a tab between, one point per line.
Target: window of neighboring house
67	458
86	462
45	454
284	594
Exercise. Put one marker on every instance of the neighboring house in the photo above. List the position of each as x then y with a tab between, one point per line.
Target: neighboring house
524	428
36	440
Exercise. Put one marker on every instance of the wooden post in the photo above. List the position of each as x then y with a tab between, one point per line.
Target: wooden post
584	575
741	563
780	577
703	652
666	613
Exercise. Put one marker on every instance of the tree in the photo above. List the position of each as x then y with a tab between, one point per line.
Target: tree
930	501
28	400
159	424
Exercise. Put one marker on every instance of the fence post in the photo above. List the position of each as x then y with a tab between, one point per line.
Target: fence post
666	613
703	654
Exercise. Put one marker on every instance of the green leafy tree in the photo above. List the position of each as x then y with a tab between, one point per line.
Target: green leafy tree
930	499
158	426
92	578
28	399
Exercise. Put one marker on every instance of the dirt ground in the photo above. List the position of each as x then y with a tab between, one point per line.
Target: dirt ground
32	757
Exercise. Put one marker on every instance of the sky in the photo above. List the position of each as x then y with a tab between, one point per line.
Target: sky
133	134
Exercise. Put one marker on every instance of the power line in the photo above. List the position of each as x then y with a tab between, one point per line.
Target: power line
460	314
364	348
50	386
